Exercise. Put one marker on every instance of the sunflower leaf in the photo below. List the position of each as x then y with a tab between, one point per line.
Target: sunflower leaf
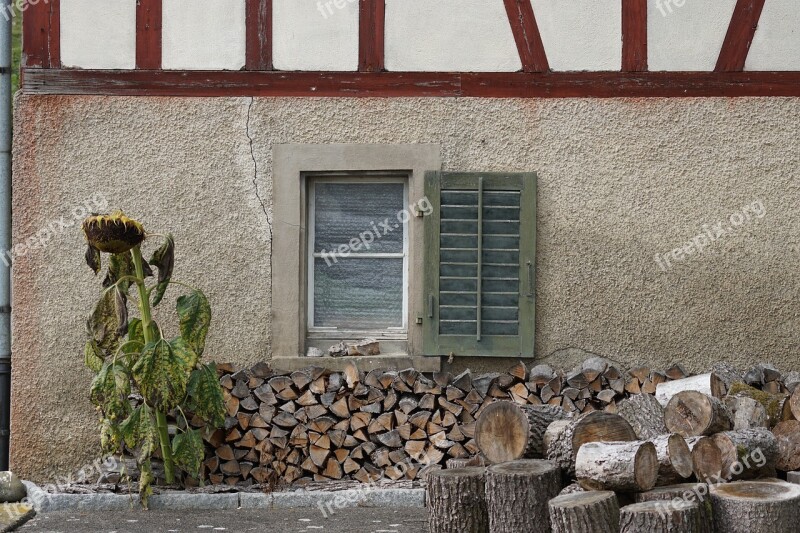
103	324
194	313
93	356
139	431
161	375
188	452
93	259
121	307
110	390
120	266
164	260
204	395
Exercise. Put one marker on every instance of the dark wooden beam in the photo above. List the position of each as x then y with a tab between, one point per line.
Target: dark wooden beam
36	38
371	28
634	35
148	34
259	35
405	84
740	35
526	34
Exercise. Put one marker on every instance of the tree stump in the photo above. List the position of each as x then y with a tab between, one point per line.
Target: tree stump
563	439
456	501
706	459
507	431
710	384
693	413
747	454
674	459
517	494
465	462
696	493
644	414
585	512
788	436
756	507
660	517
618	466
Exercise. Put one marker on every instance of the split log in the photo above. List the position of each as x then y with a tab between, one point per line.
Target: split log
747	413
706	459
756	507
788	437
695	493
747	454
565	440
456	501
693	413
710	384
517	494
660	517
618	466
645	415
507	431
774	404
674	459
585	512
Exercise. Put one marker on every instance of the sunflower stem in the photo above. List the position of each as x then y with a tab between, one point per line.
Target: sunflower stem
161	418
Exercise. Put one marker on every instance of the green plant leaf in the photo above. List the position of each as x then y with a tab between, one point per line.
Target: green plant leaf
204	395
194	313
164	260
93	356
119	266
103	323
93	259
139	432
110	437
110	390
161	376
188	452
182	349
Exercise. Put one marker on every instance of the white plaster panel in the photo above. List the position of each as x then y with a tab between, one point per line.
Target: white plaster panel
207	35
776	44
449	35
315	35
98	34
686	35
581	34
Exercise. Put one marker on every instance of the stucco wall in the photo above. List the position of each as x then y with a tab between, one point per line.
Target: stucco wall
619	182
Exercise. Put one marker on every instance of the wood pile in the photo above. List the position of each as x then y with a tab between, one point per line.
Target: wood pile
314	425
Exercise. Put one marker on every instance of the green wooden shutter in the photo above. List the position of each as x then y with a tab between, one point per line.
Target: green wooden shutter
480	256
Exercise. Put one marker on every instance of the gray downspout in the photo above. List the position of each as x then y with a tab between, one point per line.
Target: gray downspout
5	231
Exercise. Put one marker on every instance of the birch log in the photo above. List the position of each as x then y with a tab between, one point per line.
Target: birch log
585	512
660	517
507	431
747	413
693	413
618	466
456	501
709	384
748	453
645	415
756	507
564	440
706	459
674	459
517	494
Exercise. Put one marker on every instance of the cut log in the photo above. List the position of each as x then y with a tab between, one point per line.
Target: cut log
564	441
618	466
706	459
747	413
693	413
456	501
794	403
710	384
756	507
517	494
660	517
674	459
696	493
773	403
585	512
506	431
645	415
747	453
788	437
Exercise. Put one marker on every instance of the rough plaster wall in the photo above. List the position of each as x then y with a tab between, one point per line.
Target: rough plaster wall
619	181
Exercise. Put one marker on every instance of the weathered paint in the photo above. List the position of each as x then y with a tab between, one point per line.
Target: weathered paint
687	35
449	35
207	35
98	34
776	45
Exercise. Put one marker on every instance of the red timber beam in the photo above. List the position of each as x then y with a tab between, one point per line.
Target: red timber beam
41	24
526	34
740	35
259	35
371	31
148	34
634	35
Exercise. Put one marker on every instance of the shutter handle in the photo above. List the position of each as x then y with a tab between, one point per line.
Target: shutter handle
430	305
530	279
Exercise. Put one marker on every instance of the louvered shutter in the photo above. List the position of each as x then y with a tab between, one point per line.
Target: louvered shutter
480	248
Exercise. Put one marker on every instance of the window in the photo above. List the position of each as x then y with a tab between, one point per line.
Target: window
479	266
358	256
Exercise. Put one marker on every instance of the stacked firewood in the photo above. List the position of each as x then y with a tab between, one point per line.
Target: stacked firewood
318	425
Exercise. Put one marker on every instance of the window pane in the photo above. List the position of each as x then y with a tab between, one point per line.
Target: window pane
358	293
344	211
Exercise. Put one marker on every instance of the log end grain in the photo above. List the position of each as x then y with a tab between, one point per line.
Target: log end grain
502	432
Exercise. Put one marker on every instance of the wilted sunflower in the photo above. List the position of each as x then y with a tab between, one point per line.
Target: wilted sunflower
114	233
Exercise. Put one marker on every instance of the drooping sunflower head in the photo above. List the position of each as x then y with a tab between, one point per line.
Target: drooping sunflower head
113	233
